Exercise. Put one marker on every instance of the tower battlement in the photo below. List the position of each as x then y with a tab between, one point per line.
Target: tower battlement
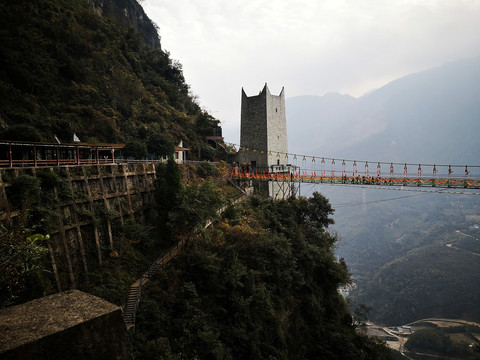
263	129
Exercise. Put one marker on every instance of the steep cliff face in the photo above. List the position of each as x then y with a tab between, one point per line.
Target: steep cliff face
129	12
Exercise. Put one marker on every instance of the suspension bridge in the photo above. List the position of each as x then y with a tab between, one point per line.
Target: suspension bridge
323	170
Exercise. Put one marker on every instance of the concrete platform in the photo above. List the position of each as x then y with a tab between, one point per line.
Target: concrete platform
67	325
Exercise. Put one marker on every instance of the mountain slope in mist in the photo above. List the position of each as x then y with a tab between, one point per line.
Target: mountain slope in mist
430	117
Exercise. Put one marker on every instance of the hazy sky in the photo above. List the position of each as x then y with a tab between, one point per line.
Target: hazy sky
311	47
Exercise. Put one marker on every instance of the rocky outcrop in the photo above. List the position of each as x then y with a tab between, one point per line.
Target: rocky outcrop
130	13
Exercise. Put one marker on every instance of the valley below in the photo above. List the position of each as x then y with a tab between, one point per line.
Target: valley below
410	257
459	338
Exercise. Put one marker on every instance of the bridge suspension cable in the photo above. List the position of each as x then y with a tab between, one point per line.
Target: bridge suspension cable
390	164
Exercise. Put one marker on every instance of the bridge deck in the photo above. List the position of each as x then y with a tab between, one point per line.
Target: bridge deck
420	181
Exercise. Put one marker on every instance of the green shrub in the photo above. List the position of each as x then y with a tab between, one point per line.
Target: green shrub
48	179
25	190
138	235
21	132
23	259
136	149
207	169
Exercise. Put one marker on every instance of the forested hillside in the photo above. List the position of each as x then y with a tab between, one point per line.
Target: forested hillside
262	284
74	67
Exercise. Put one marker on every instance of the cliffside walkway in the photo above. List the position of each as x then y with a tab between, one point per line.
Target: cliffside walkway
135	292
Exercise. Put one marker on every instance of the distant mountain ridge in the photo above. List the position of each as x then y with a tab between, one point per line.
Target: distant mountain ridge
431	117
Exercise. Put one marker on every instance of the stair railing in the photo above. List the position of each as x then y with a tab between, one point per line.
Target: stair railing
130	316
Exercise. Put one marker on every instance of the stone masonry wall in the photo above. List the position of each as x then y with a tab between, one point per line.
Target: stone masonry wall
85	212
277	142
253	132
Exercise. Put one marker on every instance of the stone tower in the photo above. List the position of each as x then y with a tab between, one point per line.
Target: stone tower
263	139
263	130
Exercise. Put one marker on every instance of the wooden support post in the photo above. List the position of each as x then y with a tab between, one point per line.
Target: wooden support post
10	155
4	200
104	195
129	199
92	209
147	183
139	191
117	193
77	227
54	265
64	238
34	155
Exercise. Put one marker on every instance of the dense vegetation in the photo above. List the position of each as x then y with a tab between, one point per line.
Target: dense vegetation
22	261
261	284
65	69
23	252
